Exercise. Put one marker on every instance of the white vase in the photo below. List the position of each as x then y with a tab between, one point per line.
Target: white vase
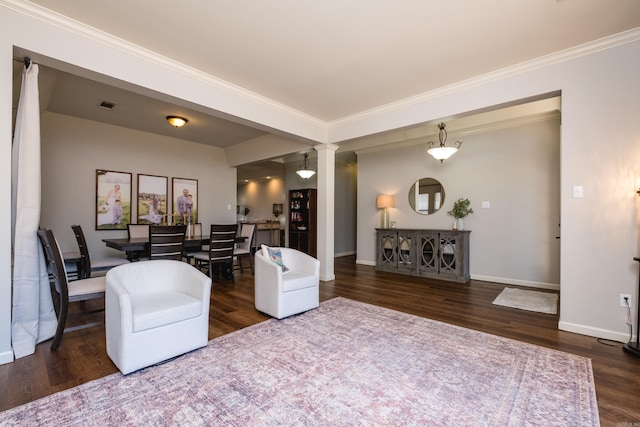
459	224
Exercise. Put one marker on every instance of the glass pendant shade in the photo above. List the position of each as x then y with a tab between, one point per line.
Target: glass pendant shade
305	172
442	152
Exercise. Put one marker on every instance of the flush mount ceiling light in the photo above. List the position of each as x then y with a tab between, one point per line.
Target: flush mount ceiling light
305	172
442	152
176	121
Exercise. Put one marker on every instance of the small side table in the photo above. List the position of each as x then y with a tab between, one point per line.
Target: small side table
634	347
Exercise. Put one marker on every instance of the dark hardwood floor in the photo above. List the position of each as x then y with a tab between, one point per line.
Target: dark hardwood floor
82	355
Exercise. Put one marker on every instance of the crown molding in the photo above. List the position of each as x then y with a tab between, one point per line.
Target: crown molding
83	30
402	140
544	61
86	31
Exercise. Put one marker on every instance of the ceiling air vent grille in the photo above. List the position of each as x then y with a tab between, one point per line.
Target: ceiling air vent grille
107	105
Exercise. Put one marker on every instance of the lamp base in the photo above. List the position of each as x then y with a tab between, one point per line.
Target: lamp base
632	348
384	219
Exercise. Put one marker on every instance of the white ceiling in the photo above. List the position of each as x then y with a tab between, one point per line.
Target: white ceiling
327	59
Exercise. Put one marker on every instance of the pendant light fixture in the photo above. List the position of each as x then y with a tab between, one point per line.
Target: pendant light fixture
305	172
442	152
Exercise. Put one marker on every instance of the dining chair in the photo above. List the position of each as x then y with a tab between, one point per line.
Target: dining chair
166	241
66	292
87	266
138	231
197	231
243	250
219	259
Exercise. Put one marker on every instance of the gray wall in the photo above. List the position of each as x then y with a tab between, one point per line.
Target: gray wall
260	196
516	170
72	150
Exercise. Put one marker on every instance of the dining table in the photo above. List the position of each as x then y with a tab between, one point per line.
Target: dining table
134	246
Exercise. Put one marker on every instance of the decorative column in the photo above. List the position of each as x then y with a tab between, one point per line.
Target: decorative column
326	207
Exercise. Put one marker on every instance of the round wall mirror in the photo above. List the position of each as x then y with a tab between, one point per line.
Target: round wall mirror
426	196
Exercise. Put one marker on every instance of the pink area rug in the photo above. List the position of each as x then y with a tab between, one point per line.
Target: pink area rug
346	363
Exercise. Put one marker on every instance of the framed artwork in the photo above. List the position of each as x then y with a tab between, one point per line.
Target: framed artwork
185	200
152	199
113	200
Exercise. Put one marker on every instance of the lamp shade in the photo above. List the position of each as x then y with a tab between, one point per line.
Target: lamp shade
384	201
305	172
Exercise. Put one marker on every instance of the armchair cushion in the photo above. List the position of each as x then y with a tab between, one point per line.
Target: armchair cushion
156	310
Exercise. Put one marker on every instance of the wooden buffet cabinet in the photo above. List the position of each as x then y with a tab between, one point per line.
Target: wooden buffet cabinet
438	254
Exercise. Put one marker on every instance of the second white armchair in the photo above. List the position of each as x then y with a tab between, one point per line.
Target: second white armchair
281	294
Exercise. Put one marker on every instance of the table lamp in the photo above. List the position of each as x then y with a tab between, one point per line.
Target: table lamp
384	202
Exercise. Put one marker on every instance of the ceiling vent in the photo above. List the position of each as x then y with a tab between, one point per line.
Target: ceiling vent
107	105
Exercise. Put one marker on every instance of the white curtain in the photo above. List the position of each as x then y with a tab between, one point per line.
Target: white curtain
33	318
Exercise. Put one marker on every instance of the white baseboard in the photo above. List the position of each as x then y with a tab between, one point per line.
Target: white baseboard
6	357
344	254
594	332
516	282
365	262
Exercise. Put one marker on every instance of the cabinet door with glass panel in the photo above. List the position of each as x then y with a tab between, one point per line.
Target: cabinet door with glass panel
396	250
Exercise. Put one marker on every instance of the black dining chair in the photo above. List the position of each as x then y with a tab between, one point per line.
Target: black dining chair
87	267
166	241
219	259
66	292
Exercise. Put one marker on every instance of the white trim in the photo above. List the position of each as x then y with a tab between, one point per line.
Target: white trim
543	61
365	262
83	30
6	357
516	282
91	33
594	332
341	254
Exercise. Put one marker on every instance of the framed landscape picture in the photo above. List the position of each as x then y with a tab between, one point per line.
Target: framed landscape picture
113	200
185	200
152	198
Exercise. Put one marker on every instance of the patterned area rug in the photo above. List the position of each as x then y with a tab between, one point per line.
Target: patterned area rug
543	302
346	363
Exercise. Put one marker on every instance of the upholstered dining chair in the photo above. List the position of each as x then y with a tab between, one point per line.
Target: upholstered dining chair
155	310
196	231
286	281
66	292
166	242
88	266
219	259
243	250
138	231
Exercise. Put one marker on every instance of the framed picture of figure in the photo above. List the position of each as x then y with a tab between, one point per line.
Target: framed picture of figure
185	200
152	199
113	200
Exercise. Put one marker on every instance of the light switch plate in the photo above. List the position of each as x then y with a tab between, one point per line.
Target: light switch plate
486	204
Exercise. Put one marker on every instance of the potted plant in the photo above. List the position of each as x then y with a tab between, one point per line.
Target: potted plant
461	208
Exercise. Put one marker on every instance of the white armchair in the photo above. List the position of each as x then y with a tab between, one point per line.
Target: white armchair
155	310
282	294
